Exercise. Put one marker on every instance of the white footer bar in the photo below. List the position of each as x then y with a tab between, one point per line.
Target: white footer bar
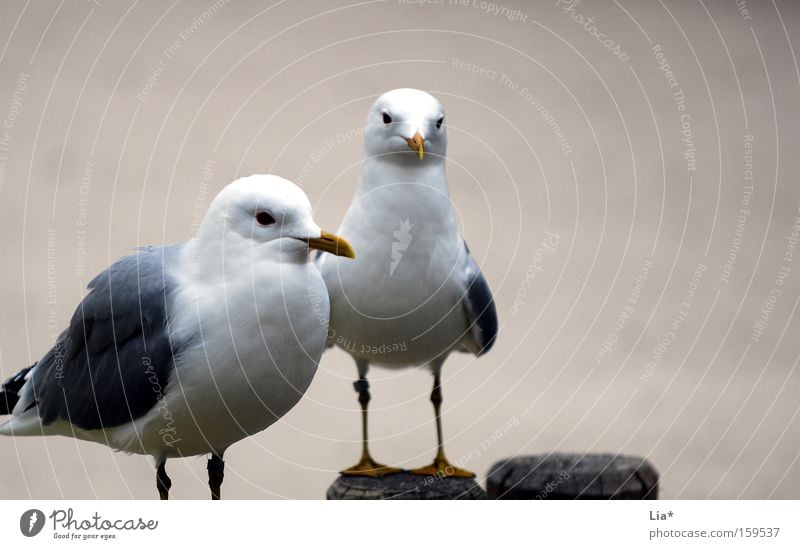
389	524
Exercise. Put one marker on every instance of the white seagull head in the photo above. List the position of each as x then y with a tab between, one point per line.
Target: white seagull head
266	216
406	125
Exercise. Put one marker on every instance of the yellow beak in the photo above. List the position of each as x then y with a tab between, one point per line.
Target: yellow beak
416	143
329	242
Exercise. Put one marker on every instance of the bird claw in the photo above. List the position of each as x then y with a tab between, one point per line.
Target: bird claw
369	468
442	469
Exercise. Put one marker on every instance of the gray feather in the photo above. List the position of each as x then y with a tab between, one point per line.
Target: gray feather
480	308
107	366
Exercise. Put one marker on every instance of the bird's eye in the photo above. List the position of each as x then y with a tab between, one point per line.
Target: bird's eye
264	218
439	123
386	118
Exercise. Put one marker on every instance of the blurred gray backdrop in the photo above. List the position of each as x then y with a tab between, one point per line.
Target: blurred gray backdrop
626	174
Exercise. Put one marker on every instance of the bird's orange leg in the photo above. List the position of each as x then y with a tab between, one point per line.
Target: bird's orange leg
440	467
366	466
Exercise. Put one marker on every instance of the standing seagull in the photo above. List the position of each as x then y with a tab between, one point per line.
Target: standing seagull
415	294
185	349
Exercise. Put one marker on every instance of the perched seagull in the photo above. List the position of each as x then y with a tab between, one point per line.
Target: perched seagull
415	294
185	349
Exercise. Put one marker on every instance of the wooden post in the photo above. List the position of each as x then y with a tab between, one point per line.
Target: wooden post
405	486
573	476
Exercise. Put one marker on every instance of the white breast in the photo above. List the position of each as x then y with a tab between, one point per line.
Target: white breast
263	332
399	302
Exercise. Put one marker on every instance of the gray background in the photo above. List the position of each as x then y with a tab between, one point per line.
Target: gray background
284	88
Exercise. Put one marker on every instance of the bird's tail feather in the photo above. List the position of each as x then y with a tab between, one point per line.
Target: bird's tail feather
9	391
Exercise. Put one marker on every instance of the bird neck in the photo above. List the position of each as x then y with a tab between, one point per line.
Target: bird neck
391	195
387	170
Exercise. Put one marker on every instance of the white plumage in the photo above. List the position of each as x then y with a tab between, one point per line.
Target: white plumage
186	349
415	294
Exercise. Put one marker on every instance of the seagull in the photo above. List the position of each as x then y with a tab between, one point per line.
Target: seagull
185	349
415	294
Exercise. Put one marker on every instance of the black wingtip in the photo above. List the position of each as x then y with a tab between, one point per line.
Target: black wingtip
9	396
7	402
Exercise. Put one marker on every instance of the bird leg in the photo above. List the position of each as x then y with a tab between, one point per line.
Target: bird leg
216	472
366	466
163	482
440	467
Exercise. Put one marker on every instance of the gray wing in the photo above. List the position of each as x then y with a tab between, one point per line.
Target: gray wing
481	312
109	366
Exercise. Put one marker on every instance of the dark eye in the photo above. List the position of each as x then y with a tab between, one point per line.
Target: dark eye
264	218
386	118
439	123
